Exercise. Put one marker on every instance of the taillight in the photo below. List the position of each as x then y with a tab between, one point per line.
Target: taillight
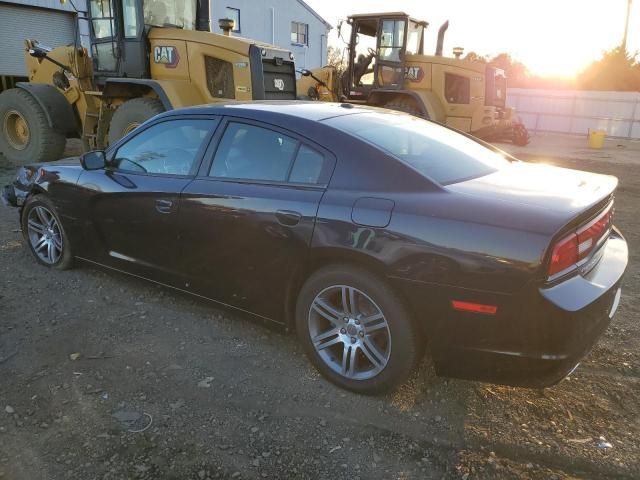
564	255
591	233
576	246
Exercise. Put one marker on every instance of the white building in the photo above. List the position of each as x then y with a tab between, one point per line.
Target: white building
50	22
289	24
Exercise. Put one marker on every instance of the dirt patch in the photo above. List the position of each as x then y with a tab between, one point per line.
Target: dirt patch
166	386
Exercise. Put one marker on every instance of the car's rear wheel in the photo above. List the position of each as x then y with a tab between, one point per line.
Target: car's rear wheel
356	331
45	234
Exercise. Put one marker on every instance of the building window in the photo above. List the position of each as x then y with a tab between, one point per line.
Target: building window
299	33
234	14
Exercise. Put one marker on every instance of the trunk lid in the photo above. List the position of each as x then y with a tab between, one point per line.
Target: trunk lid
562	191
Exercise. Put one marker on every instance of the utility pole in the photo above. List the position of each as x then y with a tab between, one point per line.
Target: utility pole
626	27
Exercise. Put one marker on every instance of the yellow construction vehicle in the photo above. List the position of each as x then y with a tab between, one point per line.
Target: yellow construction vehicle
145	57
387	67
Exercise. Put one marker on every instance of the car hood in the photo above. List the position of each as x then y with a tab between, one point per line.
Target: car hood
547	187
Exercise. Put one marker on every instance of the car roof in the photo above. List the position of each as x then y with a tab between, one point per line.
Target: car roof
268	109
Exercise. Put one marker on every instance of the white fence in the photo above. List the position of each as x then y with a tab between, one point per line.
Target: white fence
576	111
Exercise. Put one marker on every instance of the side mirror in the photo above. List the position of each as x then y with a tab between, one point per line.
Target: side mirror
305	73
93	160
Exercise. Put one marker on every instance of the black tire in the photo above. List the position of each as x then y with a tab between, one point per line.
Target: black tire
406	106
41	143
406	342
65	259
520	135
131	114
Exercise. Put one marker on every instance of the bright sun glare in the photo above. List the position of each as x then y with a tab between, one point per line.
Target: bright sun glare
551	37
570	35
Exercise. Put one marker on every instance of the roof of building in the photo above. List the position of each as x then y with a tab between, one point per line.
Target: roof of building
315	14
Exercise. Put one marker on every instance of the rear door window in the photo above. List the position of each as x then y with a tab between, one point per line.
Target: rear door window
251	152
255	153
308	167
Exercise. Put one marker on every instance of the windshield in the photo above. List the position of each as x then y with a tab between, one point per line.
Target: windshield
435	151
175	13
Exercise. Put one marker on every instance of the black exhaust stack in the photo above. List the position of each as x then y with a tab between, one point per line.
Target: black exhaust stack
202	16
441	32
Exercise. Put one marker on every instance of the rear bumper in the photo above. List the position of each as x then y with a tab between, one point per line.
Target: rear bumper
545	366
541	336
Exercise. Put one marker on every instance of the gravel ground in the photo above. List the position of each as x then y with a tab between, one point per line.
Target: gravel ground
106	376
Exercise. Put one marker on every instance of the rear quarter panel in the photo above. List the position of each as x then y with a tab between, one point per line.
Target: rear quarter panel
438	246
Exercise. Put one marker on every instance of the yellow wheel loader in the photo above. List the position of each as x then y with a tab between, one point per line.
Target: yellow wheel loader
145	57
387	67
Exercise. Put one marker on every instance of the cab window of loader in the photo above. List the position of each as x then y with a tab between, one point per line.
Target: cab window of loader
364	58
102	18
170	13
391	40
130	18
414	38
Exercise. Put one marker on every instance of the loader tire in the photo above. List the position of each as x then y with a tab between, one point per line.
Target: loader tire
131	114
520	135
25	134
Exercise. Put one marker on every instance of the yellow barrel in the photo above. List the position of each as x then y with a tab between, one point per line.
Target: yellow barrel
596	138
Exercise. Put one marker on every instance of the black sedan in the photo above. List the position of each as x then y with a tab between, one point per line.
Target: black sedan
369	232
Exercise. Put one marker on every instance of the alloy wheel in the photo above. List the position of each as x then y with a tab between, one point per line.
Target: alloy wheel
349	332
44	234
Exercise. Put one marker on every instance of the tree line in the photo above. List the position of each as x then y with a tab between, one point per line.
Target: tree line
616	70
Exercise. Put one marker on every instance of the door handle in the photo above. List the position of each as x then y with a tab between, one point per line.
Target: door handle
164	206
288	217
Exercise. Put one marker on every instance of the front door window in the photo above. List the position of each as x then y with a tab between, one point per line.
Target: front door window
167	148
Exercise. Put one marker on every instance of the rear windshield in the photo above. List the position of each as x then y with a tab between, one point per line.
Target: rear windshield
435	151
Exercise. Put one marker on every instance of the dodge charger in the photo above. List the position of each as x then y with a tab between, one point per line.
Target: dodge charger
369	233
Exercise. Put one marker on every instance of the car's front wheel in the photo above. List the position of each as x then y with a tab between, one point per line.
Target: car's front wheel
356	331
44	233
